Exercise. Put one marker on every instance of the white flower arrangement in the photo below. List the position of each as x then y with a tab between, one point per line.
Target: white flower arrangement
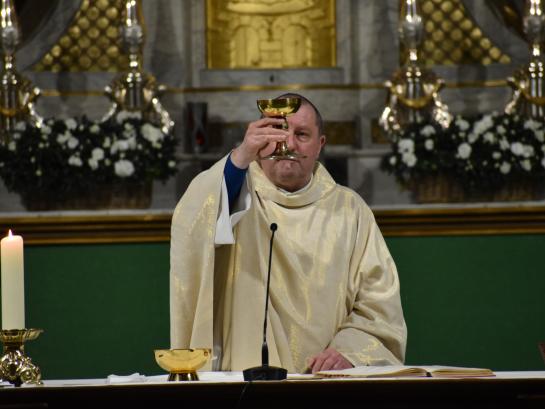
75	155
483	153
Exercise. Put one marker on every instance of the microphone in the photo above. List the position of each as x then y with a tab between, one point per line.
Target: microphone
266	372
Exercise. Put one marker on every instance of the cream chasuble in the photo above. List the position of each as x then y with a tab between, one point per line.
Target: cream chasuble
333	281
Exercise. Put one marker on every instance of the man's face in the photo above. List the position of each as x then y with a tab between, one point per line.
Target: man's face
304	138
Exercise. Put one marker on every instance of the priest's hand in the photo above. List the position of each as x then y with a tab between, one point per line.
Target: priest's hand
258	136
328	359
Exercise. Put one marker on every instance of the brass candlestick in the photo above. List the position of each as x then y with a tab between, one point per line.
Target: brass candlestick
528	83
17	94
15	366
136	90
280	108
413	92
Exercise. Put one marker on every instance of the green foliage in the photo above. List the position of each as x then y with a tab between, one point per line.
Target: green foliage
75	155
483	153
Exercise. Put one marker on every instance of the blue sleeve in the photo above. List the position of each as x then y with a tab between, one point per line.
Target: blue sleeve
234	178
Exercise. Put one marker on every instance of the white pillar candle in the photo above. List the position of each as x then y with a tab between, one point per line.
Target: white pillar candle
13	282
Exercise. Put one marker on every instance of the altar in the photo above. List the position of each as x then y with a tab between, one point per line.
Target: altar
227	390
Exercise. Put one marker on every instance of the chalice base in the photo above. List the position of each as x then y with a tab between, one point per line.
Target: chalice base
282	152
183	376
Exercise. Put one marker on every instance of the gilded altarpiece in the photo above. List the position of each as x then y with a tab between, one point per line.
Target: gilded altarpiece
270	34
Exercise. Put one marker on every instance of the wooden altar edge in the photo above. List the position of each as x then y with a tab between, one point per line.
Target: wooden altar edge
89	228
462	221
140	228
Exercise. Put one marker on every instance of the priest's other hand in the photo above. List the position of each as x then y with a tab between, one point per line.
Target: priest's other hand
328	359
259	135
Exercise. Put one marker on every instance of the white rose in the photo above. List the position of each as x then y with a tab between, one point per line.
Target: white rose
428	144
501	130
462	124
489	137
62	138
124	168
505	168
496	155
119	146
472	137
406	145
46	130
71	123
97	154
392	160
528	151
540	135
94	129
409	159
464	150
526	165
38	172
93	163
531	124
504	144
517	148
152	133
427	130
72	142
12	146
75	161
483	124
172	164
107	142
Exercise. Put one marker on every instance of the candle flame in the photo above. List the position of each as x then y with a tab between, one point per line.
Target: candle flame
10	234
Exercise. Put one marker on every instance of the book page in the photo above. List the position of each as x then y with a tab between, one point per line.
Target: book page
436	371
375	372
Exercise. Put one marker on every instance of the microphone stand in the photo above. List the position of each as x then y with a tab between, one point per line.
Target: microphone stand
266	372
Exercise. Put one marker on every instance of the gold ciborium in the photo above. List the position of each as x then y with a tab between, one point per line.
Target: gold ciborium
182	364
280	108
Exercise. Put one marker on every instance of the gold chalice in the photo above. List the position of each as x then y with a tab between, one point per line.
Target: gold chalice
280	108
182	364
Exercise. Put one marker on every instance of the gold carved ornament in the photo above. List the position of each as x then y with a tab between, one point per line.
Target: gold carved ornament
270	34
91	42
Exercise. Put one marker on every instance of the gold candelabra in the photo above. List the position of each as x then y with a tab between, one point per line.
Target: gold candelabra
528	83
136	90
413	92
17	94
15	366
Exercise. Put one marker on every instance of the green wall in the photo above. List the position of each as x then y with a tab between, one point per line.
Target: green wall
473	301
104	308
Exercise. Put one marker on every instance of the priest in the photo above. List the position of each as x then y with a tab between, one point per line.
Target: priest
334	290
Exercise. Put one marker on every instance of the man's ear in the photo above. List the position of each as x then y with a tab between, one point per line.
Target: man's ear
322	140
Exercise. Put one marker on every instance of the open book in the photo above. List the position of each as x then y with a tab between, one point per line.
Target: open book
395	371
